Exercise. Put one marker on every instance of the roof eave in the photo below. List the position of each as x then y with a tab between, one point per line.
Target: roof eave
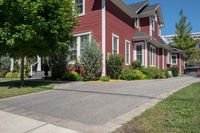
125	8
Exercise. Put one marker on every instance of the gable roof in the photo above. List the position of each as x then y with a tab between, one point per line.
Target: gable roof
125	8
150	8
136	7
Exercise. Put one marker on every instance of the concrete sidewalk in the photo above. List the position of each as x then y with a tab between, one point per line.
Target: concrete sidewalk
10	123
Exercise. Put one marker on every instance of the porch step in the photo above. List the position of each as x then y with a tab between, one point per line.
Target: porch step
38	75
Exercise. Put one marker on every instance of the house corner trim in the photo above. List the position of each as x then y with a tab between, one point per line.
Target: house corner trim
103	11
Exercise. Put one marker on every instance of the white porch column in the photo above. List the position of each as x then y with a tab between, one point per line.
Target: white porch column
39	63
163	58
103	13
11	64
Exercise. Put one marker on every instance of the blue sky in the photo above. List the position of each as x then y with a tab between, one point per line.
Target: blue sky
171	8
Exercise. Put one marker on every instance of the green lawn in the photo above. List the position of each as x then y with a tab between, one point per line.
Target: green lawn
12	88
179	113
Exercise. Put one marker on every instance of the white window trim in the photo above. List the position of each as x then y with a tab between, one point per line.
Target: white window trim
78	43
129	61
154	55
150	26
114	35
153	23
83	13
176	59
137	23
135	52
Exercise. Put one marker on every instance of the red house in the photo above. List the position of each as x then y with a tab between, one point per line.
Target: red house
133	31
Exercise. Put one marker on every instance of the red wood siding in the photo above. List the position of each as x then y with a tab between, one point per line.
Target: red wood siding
144	25
118	23
155	32
91	21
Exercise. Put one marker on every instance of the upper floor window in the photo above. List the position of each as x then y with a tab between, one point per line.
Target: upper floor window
80	4
137	23
153	23
115	44
127	52
174	59
152	56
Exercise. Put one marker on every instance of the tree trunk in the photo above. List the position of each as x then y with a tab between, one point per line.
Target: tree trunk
22	71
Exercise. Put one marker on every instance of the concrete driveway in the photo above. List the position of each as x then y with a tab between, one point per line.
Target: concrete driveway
94	107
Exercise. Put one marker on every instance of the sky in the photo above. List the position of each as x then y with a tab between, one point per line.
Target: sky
171	9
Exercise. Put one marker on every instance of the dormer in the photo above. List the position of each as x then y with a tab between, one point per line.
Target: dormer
150	13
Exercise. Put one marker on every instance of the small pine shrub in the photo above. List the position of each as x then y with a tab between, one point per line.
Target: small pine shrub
115	66
105	78
72	76
136	65
129	74
91	61
175	71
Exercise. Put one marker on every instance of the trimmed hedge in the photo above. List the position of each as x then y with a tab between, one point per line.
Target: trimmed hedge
129	74
153	73
72	76
105	78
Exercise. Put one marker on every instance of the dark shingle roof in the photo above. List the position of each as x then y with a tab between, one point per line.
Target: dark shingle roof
160	40
150	8
136	6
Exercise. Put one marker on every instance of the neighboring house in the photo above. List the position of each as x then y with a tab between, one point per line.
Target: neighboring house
169	38
132	31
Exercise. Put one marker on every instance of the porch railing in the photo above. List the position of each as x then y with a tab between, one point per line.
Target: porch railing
31	72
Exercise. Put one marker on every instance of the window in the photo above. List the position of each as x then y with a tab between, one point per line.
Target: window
80	41
127	52
137	23
80	4
169	61
115	44
152	56
139	53
84	41
153	23
174	59
73	51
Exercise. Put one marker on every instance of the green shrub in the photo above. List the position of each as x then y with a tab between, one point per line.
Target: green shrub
115	66
136	65
91	60
105	78
72	76
152	72
175	71
58	65
129	74
167	75
9	75
4	64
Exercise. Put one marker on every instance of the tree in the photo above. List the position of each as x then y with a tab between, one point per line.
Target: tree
91	60
183	39
39	27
